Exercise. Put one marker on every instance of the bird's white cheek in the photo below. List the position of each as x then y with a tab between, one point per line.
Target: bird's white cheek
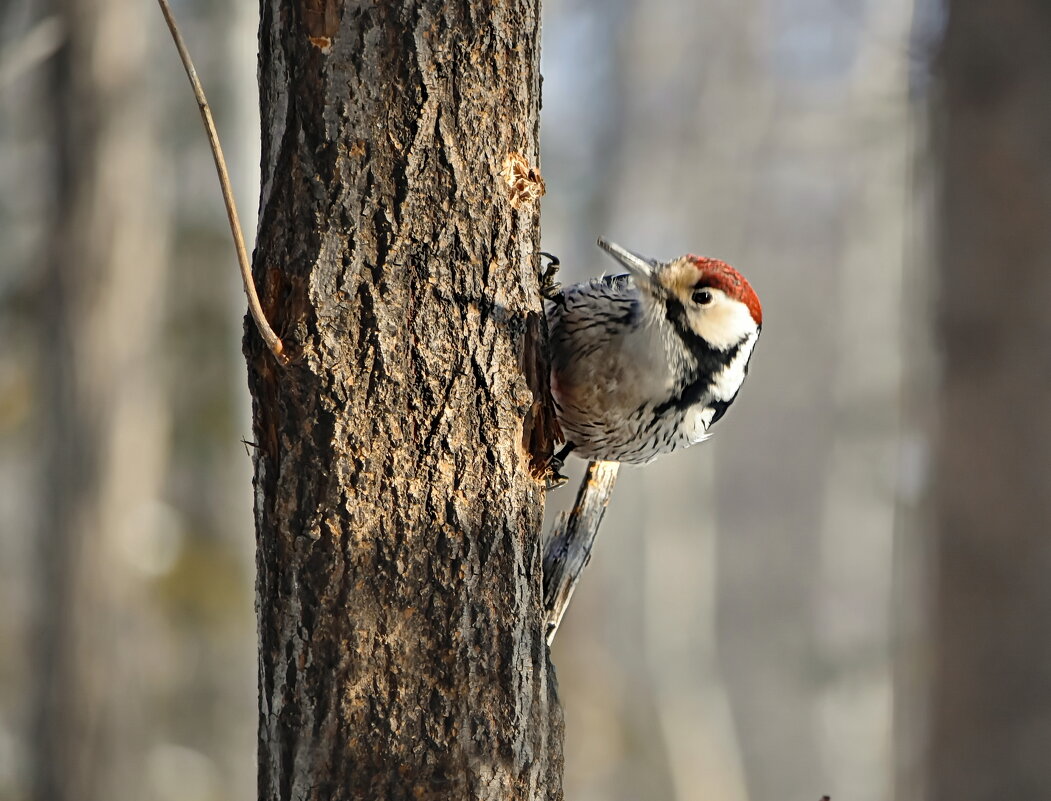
724	325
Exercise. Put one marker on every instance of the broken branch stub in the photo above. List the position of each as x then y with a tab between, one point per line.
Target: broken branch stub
572	538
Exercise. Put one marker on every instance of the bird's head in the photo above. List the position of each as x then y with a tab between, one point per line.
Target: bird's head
706	296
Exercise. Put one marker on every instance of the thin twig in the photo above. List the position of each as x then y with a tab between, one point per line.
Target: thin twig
265	331
572	538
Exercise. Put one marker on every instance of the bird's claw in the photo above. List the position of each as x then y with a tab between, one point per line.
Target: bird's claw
555	478
550	289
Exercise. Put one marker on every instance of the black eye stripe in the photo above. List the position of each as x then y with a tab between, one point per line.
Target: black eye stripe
704	353
709	361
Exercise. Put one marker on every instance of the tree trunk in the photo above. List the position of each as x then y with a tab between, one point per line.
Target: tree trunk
402	648
991	689
103	419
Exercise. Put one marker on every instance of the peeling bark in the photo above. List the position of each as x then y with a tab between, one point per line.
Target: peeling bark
402	647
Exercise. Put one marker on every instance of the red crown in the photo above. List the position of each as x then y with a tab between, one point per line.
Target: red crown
720	275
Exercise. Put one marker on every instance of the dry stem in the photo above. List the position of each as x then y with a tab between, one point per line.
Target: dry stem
265	331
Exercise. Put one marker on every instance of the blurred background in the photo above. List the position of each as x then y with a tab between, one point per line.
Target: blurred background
760	620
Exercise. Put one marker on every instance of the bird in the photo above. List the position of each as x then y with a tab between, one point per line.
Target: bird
644	363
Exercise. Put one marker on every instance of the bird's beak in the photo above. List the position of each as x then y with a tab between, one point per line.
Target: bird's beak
643	269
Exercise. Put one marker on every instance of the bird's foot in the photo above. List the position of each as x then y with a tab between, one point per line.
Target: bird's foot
550	289
555	478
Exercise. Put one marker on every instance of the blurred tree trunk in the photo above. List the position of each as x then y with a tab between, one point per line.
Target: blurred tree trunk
103	418
991	688
399	568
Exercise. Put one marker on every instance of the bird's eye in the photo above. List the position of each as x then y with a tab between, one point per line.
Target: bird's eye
703	297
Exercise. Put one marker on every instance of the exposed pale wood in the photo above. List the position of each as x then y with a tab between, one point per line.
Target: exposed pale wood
572	538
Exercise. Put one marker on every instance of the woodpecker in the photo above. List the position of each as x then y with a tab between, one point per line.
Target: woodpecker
644	363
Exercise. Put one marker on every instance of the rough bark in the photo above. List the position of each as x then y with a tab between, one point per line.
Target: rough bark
402	649
991	688
102	418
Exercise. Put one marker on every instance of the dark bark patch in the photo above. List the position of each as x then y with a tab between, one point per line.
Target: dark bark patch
540	430
321	19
